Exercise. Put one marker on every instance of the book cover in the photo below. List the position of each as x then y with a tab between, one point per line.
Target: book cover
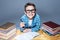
51	24
6	31
6	26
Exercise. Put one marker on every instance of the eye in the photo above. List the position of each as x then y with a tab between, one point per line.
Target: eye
32	10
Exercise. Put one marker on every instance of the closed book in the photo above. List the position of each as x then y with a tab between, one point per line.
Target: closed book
45	26
51	27
50	31
9	38
14	30
6	31
6	26
14	26
51	24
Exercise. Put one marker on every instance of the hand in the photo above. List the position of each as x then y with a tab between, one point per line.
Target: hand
27	30
22	24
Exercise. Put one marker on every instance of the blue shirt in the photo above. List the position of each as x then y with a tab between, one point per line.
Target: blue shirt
35	22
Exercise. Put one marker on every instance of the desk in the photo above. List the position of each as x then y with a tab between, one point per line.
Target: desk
43	36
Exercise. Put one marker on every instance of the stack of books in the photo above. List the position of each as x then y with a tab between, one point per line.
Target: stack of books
51	27
7	31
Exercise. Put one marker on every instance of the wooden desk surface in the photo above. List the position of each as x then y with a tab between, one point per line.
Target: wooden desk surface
43	36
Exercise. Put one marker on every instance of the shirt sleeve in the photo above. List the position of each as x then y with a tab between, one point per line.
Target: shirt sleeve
37	27
18	25
21	29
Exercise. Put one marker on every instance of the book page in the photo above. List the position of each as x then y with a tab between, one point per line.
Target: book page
27	36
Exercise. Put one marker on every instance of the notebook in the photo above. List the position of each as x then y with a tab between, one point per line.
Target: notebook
27	36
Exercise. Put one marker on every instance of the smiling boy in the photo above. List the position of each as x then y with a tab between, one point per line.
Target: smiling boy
30	21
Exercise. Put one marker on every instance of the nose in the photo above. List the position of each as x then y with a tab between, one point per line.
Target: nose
30	12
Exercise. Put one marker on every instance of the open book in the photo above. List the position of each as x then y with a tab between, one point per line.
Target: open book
27	36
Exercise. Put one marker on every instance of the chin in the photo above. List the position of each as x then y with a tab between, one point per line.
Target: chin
30	17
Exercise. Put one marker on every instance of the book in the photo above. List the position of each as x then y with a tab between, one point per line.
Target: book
14	30
10	38
9	28
51	24
51	27
6	26
6	31
50	31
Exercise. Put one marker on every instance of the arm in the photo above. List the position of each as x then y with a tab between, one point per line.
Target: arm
18	26
37	27
21	25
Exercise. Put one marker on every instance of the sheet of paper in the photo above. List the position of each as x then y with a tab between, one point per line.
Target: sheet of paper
27	36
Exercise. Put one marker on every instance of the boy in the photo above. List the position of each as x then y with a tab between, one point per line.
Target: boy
30	21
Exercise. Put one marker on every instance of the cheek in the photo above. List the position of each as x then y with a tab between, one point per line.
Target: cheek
33	14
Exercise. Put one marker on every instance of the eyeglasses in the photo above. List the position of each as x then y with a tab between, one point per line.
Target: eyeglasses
28	11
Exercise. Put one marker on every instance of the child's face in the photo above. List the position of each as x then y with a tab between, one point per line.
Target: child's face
30	12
